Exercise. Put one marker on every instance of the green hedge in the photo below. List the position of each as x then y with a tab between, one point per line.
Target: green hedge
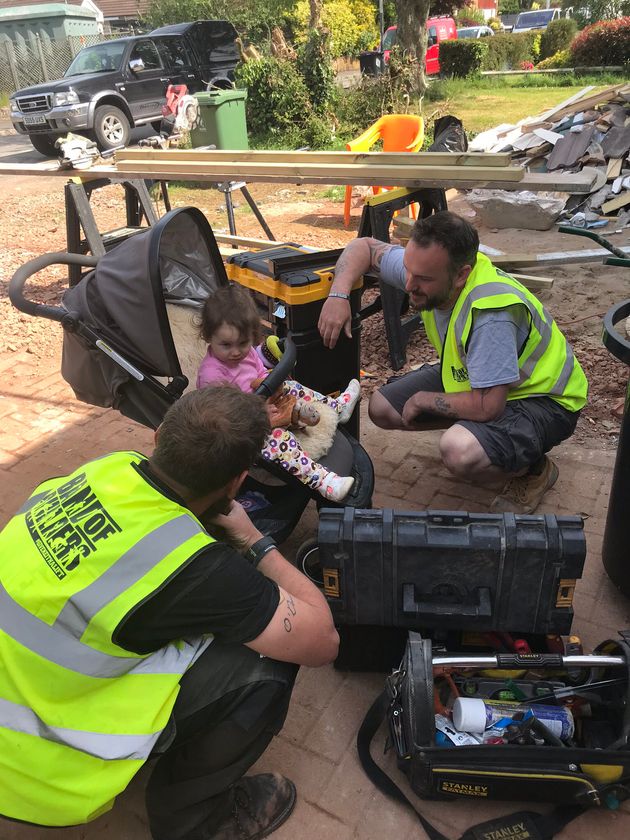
557	36
462	58
507	52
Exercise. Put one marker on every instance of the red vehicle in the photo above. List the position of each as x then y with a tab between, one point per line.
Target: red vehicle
438	29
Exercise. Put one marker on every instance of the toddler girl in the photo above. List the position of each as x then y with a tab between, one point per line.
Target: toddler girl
230	325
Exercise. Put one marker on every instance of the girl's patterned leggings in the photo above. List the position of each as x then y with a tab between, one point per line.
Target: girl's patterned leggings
282	445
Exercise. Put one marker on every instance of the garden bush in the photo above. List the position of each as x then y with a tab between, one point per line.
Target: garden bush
352	24
557	61
278	106
507	52
604	43
316	68
557	36
464	58
470	16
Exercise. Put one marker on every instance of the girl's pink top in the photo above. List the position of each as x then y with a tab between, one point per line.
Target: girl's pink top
214	372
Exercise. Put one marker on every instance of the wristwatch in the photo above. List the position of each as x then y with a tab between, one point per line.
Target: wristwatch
341	295
257	551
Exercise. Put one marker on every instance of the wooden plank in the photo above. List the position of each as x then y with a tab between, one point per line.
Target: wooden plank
244	242
578	183
588	255
352	173
341	158
616	203
588	102
532	281
614	168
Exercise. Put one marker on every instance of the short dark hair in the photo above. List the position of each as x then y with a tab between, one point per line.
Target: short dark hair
457	236
231	305
210	436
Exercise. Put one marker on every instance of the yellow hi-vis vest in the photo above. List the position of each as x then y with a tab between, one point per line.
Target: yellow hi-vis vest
79	715
547	366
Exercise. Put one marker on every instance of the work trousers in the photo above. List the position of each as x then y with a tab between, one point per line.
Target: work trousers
231	703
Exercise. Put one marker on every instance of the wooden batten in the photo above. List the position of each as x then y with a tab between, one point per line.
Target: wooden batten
342	158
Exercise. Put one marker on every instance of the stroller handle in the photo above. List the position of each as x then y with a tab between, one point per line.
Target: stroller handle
281	371
26	271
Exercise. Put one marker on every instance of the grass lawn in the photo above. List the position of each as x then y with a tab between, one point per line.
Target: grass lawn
484	105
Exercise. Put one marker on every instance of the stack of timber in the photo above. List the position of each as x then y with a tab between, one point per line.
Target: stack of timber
588	130
420	170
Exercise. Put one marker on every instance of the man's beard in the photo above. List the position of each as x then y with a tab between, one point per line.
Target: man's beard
430	302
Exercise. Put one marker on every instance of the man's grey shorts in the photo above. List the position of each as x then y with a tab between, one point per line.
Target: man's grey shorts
516	440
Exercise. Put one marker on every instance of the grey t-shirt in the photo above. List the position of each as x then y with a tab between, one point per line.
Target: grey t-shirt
496	336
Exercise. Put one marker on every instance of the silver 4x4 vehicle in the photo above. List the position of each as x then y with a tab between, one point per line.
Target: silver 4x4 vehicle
115	85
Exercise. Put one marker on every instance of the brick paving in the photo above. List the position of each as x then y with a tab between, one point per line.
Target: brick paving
44	431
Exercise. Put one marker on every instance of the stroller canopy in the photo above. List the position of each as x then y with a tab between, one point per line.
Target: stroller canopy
124	298
121	316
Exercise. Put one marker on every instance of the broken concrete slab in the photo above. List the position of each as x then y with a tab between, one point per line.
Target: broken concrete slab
521	209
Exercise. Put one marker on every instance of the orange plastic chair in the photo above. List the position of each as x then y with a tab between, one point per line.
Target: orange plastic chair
399	133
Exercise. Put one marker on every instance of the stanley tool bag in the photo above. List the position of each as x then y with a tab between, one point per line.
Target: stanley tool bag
528	727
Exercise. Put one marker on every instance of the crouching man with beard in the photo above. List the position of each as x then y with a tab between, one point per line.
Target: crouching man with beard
143	616
508	387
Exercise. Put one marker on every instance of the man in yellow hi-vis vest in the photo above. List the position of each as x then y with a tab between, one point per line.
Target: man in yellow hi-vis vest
507	388
129	632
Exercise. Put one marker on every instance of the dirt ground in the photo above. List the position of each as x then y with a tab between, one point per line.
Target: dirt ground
32	222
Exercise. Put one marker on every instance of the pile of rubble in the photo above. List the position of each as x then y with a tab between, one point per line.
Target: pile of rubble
587	130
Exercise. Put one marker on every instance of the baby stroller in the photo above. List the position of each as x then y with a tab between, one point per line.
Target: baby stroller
130	343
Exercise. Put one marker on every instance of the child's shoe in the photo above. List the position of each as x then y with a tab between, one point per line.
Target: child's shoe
348	400
336	487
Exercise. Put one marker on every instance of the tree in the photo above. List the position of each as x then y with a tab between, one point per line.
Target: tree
412	40
315	17
596	10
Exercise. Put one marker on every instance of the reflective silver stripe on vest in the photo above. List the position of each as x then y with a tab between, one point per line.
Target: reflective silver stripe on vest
56	646
100	745
147	553
543	325
565	373
30	502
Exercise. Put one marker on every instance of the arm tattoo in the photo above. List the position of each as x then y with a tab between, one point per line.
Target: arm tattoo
377	249
292	610
444	408
342	264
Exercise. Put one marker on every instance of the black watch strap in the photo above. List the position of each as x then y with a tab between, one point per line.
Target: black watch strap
257	551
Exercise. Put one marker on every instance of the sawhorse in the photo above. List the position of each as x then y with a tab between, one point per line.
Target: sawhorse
79	217
378	212
227	188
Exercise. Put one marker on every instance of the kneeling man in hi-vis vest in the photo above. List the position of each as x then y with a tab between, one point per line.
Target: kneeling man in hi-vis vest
129	632
507	388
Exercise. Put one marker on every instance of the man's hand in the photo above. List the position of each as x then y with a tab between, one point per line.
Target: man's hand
334	317
411	411
236	528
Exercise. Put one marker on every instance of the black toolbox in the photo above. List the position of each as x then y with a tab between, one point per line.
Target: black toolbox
451	570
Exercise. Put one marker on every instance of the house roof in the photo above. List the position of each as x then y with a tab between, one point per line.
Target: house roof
110	8
122	8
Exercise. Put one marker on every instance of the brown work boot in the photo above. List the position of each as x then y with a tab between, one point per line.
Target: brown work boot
524	493
261	804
